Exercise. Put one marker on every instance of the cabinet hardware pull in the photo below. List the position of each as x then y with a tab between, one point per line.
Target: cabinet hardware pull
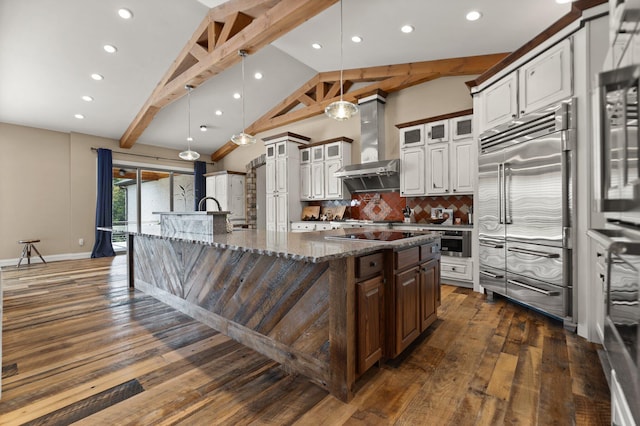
532	288
486	244
534	252
372	264
490	275
513	115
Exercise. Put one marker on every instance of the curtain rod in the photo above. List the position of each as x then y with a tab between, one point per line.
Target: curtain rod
147	156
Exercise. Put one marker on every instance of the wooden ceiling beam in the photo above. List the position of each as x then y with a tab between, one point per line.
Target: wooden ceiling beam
391	78
234	25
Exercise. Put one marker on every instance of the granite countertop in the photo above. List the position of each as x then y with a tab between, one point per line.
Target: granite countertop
307	246
434	226
198	213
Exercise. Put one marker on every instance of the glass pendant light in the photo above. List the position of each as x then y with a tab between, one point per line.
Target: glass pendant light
341	110
243	138
189	155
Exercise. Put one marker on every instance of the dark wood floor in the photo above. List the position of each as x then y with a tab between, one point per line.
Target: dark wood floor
78	346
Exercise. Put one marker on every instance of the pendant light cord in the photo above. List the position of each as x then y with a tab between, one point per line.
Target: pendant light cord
243	54
341	53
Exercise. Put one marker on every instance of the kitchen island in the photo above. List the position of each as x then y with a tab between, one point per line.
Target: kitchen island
291	297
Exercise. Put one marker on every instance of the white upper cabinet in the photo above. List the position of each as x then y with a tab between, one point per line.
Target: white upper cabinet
412	171
324	159
437	131
462	166
438	169
462	127
543	81
499	103
546	79
412	136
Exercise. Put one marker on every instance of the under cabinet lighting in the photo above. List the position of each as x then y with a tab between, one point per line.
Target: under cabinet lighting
97	77
87	98
125	13
407	29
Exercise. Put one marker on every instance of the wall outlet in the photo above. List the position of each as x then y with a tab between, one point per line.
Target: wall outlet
81	242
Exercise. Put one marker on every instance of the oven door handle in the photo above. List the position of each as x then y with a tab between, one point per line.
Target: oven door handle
490	275
532	288
534	252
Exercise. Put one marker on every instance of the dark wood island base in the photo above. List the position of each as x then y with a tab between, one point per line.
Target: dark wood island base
302	312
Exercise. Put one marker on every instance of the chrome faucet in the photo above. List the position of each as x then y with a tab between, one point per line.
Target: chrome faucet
208	198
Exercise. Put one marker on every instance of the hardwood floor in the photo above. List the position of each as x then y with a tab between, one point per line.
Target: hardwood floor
78	346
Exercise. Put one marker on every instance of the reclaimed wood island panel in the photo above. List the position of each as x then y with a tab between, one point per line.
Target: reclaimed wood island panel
289	296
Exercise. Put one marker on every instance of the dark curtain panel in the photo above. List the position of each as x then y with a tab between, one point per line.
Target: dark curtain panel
200	183
103	247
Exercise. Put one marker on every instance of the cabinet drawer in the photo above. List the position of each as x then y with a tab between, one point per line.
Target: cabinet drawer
369	265
408	257
548	297
456	271
428	251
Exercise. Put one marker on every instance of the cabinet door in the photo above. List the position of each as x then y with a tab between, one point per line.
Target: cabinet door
437	131
438	172
281	149
271	152
236	197
305	155
407	308
462	127
369	313
281	175
333	151
317	180
333	185
271	212
282	212
270	176
412	136
305	182
211	191
546	79
412	173
462	166
221	192
317	154
499	103
429	285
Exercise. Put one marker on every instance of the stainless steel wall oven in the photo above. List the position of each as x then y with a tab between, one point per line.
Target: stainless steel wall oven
456	243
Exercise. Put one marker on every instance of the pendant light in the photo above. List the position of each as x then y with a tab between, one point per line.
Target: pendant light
243	138
341	110
189	155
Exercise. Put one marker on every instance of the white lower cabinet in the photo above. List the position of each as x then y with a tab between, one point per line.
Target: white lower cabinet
310	226
456	268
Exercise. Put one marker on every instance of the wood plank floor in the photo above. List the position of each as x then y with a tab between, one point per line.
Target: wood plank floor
78	346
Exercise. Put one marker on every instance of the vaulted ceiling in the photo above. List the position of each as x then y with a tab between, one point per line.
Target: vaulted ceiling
48	51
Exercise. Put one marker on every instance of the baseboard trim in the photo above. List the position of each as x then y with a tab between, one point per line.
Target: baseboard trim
49	258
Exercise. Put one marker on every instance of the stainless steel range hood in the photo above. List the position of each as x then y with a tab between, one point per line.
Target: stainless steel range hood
374	174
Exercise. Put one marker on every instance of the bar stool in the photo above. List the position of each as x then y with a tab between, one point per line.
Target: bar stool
26	251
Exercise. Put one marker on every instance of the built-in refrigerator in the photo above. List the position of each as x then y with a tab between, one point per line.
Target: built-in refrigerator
525	210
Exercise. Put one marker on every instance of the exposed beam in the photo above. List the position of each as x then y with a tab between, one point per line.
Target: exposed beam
234	25
391	78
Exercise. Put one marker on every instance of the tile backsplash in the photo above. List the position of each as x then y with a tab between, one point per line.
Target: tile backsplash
389	205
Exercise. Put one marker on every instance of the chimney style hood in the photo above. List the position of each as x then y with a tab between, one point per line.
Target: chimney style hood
374	174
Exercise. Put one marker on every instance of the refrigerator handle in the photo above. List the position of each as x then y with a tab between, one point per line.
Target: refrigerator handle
505	198
500	201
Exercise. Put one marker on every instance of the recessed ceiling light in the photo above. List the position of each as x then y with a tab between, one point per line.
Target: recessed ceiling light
203	128
236	96
258	75
356	39
125	13
407	29
87	98
79	116
316	46
96	76
109	48
474	15
218	112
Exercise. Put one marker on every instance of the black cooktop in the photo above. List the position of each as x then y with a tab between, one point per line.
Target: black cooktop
375	236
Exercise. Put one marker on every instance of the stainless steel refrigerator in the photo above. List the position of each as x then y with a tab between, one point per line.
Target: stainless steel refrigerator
525	209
